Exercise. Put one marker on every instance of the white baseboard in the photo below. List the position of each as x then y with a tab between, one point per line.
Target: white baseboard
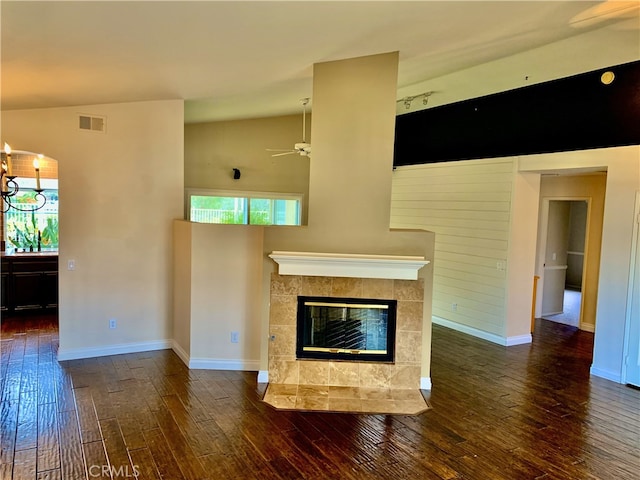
425	383
89	352
207	363
224	364
614	377
263	376
474	332
588	327
518	340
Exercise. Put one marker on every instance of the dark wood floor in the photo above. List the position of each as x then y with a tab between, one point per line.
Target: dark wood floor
525	412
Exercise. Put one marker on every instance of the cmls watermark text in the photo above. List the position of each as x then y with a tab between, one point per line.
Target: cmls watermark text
111	471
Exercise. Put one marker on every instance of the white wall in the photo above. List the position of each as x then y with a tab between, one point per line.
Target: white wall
463	271
119	192
468	205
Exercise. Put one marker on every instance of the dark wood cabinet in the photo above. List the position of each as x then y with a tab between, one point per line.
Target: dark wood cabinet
29	282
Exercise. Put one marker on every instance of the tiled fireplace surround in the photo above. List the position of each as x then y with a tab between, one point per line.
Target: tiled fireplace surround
396	384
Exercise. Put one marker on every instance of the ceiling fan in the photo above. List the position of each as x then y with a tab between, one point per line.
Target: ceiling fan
303	148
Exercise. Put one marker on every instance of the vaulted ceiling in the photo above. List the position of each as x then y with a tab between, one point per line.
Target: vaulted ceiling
239	59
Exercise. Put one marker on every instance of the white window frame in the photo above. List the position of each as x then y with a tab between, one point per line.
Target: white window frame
207	192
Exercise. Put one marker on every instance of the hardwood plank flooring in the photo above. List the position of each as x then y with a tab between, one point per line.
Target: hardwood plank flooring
523	412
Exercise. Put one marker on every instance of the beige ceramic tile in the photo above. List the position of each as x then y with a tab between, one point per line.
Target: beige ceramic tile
344	392
375	393
314	373
405	376
283	340
409	316
283	371
313	391
377	288
351	405
344	399
316	286
282	402
282	389
312	403
346	287
408	347
285	284
282	310
379	406
375	375
409	289
346	374
413	396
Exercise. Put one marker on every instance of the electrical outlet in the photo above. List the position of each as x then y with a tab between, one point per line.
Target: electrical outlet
235	337
454	307
113	323
71	264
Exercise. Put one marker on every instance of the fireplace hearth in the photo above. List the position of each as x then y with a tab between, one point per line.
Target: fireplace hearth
349	329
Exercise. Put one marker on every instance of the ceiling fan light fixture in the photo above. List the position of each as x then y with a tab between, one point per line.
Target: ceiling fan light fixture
302	148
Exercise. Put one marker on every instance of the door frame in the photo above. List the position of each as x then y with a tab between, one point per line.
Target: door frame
543	228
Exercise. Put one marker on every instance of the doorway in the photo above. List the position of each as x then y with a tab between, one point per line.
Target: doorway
564	261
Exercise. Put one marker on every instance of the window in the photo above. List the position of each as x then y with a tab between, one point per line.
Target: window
249	208
21	228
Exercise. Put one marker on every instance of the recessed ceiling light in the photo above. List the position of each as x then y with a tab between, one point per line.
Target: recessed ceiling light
607	77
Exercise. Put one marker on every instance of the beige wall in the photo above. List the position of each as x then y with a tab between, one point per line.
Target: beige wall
350	177
213	149
218	289
591	187
521	257
583	52
119	192
182	265
226	293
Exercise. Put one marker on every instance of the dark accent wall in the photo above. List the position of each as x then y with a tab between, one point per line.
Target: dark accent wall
573	113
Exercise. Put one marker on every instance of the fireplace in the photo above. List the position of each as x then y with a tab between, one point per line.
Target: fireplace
350	329
360	279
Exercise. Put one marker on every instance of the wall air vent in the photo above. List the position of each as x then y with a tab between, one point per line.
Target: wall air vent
92	123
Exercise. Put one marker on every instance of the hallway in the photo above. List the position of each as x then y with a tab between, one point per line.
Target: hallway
571	309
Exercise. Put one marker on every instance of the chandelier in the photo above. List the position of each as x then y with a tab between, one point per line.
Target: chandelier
10	187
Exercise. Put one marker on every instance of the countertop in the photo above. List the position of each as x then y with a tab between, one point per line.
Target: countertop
46	254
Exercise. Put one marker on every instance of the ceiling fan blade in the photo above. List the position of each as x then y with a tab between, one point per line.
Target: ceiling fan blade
278	149
285	153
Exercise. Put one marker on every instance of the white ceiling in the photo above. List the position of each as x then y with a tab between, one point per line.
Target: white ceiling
250	59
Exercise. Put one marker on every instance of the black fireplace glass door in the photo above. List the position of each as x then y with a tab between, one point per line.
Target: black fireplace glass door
346	328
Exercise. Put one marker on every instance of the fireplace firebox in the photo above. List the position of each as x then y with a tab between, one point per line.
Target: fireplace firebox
355	329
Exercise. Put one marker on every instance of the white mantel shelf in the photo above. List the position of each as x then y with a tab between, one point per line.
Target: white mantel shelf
397	267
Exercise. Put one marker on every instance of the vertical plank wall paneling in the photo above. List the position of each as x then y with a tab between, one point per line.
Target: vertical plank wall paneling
467	204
